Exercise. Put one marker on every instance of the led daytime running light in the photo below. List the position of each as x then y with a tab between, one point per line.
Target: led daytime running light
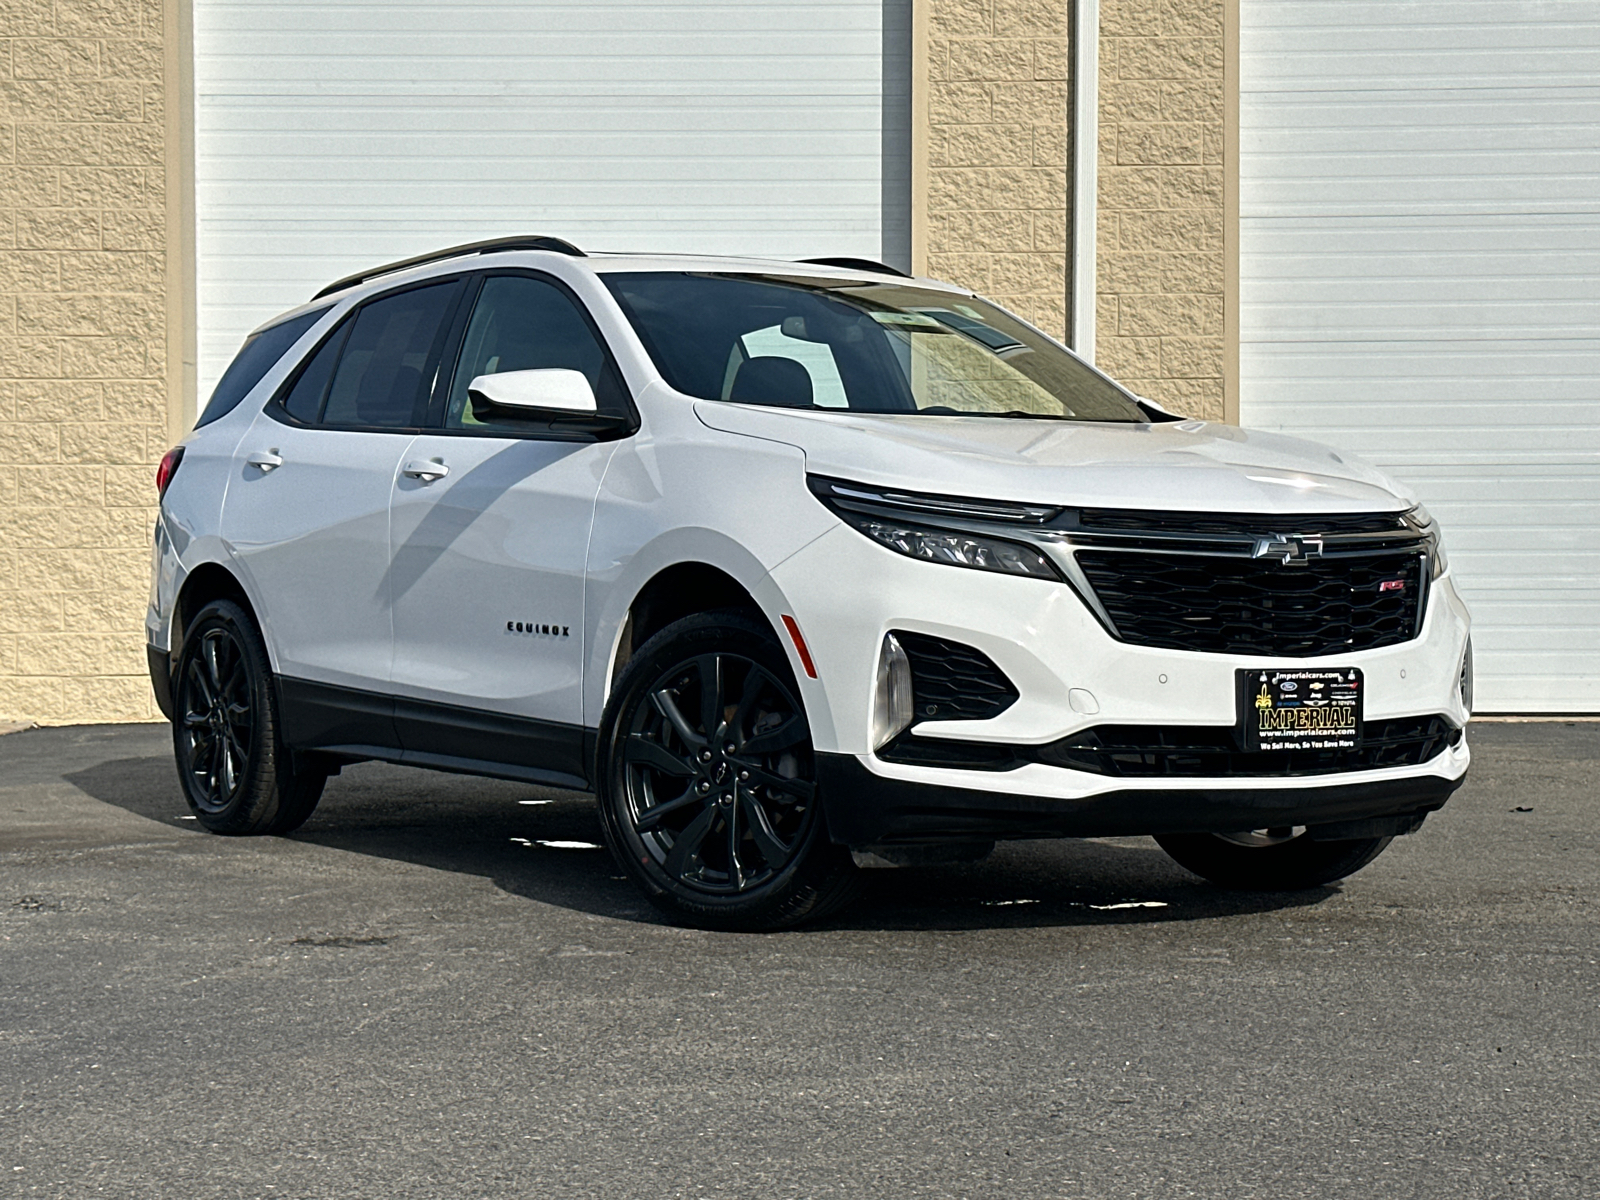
893	707
1422	520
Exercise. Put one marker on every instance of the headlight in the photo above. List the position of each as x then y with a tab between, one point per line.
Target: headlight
877	514
1466	679
956	549
1422	520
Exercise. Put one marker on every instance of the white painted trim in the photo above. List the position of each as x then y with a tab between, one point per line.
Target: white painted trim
1085	171
177	33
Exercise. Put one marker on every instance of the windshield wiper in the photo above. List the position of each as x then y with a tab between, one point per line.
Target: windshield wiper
1021	413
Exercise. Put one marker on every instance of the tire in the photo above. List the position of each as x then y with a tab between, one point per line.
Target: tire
236	773
1269	860
725	831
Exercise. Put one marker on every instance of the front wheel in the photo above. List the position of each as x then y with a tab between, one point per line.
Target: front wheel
236	773
707	782
1269	860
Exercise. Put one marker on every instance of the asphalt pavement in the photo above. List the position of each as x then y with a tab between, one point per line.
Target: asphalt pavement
437	989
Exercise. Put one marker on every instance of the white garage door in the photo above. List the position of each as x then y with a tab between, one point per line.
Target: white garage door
334	136
1420	282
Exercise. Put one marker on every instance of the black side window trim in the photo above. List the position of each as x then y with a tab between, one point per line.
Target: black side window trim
452	356
441	344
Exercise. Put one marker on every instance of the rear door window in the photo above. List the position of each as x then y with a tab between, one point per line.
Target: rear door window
304	400
385	372
376	371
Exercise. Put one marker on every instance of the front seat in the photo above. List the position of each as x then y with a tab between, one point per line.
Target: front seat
768	379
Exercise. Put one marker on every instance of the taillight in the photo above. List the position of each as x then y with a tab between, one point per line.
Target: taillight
167	469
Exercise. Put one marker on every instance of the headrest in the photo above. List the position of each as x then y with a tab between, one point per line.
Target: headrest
769	379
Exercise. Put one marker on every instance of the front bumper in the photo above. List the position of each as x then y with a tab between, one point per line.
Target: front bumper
846	593
868	809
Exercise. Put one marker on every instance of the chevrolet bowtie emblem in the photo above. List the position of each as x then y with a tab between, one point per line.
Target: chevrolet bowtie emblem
1293	550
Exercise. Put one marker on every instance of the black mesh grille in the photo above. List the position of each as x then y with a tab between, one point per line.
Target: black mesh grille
1172	751
1142	751
1230	605
954	682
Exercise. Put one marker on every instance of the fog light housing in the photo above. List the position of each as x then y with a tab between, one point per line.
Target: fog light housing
892	710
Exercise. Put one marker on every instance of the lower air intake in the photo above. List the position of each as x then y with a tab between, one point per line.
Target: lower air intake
952	681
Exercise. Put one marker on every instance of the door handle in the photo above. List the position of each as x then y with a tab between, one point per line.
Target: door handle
266	461
425	471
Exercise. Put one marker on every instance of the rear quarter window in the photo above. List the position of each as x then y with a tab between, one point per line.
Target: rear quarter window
259	354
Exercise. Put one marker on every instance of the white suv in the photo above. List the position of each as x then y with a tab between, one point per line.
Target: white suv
797	566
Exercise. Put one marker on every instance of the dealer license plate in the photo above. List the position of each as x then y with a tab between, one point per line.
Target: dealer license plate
1295	709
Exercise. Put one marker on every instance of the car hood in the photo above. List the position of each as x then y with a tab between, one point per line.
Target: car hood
1193	466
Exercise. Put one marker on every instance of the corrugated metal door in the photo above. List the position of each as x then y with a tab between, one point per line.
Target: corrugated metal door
1420	282
330	137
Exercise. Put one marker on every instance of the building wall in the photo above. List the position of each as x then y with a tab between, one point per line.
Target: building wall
87	263
997	152
83	402
1159	260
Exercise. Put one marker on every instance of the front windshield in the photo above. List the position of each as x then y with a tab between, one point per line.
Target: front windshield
835	344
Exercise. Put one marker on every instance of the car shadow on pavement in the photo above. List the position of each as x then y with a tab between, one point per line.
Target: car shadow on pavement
544	845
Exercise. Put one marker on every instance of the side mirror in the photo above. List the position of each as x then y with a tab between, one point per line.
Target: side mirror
1157	414
545	393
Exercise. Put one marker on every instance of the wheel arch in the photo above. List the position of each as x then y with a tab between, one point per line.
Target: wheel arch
208	581
672	593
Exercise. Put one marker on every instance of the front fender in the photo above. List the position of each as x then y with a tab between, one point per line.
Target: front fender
691	495
673	548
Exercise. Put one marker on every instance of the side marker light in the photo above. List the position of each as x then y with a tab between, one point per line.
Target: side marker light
800	645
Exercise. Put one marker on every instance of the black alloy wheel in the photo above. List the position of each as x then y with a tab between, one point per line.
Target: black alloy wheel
236	774
217	720
709	794
721	799
1282	859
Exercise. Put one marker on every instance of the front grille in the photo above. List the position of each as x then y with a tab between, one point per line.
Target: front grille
1114	520
1144	751
1239	605
951	681
1178	751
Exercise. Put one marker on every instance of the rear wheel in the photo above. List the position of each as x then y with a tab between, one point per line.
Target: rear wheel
708	792
236	773
1269	860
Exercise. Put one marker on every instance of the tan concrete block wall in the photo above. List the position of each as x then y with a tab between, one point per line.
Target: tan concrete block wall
997	152
1159	325
82	347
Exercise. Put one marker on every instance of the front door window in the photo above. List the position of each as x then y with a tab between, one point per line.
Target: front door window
522	323
490	557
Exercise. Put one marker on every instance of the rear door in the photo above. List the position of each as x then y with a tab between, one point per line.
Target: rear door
307	510
489	536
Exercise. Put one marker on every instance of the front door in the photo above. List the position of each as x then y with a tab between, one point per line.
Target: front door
306	513
490	533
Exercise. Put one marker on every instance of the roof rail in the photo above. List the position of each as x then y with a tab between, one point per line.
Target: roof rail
856	264
492	246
